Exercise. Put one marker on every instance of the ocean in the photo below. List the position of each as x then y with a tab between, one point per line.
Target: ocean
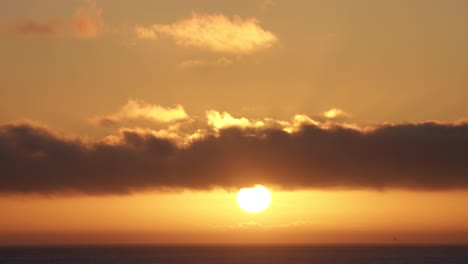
321	254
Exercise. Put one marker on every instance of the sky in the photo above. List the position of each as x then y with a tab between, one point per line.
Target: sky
138	121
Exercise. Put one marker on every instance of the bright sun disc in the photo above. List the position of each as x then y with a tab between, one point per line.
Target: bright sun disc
255	199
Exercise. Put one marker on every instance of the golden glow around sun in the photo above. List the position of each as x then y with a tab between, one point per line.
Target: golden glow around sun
255	199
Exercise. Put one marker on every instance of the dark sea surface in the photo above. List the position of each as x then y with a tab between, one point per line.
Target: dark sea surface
236	254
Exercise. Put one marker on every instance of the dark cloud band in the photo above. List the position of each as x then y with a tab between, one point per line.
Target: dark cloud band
426	156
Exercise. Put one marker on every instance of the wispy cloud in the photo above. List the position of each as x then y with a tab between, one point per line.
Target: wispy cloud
265	4
253	225
195	63
135	110
31	28
215	32
87	22
145	33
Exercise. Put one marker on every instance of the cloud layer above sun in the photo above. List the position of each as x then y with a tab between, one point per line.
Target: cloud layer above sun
221	150
215	32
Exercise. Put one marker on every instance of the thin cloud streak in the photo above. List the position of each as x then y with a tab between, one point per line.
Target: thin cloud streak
31	28
266	4
87	22
195	63
135	110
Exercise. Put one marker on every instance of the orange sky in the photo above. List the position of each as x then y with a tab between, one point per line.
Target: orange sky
352	113
209	217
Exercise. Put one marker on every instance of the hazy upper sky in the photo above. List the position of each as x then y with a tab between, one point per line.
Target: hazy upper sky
327	100
378	60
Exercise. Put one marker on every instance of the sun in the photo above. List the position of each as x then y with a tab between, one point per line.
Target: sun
254	199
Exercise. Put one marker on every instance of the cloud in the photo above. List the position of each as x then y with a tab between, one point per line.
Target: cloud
145	33
31	28
222	120
420	156
335	113
135	110
87	22
252	225
222	62
215	32
266	4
